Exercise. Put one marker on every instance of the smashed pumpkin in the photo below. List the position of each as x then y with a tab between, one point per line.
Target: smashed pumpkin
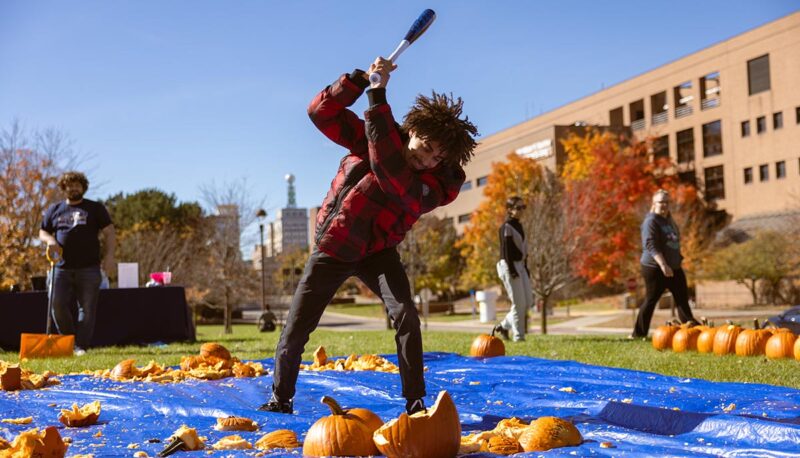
183	439
433	433
83	416
547	433
235	424
339	434
281	438
10	378
232	443
47	443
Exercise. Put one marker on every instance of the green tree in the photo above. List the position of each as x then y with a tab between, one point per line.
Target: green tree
151	207
769	257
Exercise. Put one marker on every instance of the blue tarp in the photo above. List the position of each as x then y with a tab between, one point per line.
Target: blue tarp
640	413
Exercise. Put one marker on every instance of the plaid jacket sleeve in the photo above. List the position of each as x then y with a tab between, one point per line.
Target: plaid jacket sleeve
328	111
417	193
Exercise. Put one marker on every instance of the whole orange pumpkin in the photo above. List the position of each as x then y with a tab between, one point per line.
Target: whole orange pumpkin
214	350
685	339
339	434
487	346
662	336
780	345
432	434
752	342
705	341
797	349
725	339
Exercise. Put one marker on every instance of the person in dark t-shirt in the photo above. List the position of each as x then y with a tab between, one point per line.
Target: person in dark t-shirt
661	265
70	229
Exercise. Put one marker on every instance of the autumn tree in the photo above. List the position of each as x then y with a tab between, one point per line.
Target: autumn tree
479	244
430	255
30	164
609	182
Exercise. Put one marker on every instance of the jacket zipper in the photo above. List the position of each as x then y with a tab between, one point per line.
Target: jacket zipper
358	172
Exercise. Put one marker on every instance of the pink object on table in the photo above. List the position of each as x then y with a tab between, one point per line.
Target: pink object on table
164	278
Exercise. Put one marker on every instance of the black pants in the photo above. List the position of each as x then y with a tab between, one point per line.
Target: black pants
655	282
384	274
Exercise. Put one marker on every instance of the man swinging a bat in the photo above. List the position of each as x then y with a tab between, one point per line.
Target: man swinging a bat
390	177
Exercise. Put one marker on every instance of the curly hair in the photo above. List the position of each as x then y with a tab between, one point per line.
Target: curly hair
73	177
437	118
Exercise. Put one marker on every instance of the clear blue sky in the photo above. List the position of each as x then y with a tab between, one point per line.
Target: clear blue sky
173	94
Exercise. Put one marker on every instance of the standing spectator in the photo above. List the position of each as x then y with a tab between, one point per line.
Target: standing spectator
661	265
70	229
513	272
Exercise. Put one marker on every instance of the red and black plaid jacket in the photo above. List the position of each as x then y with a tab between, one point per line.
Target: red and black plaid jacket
376	196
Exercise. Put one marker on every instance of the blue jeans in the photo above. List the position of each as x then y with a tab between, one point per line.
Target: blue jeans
75	294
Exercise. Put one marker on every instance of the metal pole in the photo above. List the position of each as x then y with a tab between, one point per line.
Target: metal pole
263	271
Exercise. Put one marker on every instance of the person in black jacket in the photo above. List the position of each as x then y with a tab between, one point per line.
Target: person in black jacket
661	264
513	272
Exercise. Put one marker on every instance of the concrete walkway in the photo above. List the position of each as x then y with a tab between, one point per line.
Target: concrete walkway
584	322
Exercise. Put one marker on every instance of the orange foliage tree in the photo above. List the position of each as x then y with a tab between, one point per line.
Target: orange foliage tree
610	181
29	167
480	243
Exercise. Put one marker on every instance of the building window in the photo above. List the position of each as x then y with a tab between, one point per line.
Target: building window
797	115
715	183
780	170
761	124
466	186
661	147
615	117
763	172
685	146
748	175
659	107
481	181
462	219
745	128
758	74
709	91
683	99
688	177
636	111
777	120
712	139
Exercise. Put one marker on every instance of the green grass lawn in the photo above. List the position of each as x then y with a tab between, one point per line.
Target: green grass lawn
376	311
247	343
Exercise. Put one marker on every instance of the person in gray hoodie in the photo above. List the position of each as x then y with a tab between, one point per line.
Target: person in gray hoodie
661	264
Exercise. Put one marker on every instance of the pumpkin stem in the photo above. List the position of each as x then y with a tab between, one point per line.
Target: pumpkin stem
336	409
755	323
704	320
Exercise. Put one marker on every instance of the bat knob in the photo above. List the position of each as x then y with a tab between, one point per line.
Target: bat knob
375	78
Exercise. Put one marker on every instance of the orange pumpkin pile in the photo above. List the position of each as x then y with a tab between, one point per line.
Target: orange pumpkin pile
352	363
728	339
214	362
13	377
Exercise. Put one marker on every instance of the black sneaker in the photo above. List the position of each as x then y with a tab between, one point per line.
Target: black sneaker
497	329
274	405
415	405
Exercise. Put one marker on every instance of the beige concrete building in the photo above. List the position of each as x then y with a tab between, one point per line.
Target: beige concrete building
728	115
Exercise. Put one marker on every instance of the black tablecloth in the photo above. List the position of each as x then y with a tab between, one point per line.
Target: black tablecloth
124	316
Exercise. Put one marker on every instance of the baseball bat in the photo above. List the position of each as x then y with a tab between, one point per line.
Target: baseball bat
417	29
